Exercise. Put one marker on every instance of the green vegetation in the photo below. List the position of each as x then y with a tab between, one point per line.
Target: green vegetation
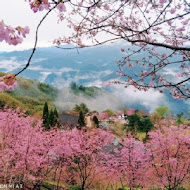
180	119
110	112
76	187
51	185
29	95
81	121
50	118
87	91
81	108
96	121
162	111
138	124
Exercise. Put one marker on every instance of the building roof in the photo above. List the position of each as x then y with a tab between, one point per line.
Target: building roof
68	121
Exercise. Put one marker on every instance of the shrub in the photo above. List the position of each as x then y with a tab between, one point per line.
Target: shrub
76	187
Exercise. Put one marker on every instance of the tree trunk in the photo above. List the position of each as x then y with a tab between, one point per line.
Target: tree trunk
83	185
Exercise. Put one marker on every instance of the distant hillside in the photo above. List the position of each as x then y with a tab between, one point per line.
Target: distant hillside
29	95
88	67
95	98
91	91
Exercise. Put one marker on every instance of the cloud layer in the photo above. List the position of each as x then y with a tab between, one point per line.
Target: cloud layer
130	96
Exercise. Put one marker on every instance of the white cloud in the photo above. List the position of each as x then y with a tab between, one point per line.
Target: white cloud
97	83
170	71
44	75
150	99
67	69
100	102
11	64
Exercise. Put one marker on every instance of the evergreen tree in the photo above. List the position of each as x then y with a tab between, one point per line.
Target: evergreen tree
134	123
95	119
146	125
55	122
45	116
138	124
81	121
51	119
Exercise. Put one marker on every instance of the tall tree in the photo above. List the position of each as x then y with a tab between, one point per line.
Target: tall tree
96	121
81	120
170	159
132	162
45	116
81	108
146	126
55	122
134	123
51	119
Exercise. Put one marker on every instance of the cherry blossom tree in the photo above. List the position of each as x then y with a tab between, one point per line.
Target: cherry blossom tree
157	29
170	150
130	111
25	148
130	162
82	155
29	155
103	116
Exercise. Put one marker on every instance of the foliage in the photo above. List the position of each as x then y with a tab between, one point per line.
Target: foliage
110	112
28	96
50	118
96	121
81	120
45	116
87	91
47	89
170	156
134	123
75	188
31	155
180	119
81	108
162	111
146	125
138	124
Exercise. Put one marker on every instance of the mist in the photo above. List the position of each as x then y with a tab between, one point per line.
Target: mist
66	100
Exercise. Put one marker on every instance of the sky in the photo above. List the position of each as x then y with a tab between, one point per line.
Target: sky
18	13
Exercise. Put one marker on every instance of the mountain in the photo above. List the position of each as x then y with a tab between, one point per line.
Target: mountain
88	67
30	95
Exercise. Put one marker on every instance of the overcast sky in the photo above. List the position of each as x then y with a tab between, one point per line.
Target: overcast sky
18	13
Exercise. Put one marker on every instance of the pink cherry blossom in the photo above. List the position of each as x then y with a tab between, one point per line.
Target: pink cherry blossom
61	7
131	111
172	11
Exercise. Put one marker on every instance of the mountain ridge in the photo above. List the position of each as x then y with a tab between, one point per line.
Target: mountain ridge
91	67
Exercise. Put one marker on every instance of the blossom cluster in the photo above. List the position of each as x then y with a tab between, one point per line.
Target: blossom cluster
7	82
90	156
12	36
